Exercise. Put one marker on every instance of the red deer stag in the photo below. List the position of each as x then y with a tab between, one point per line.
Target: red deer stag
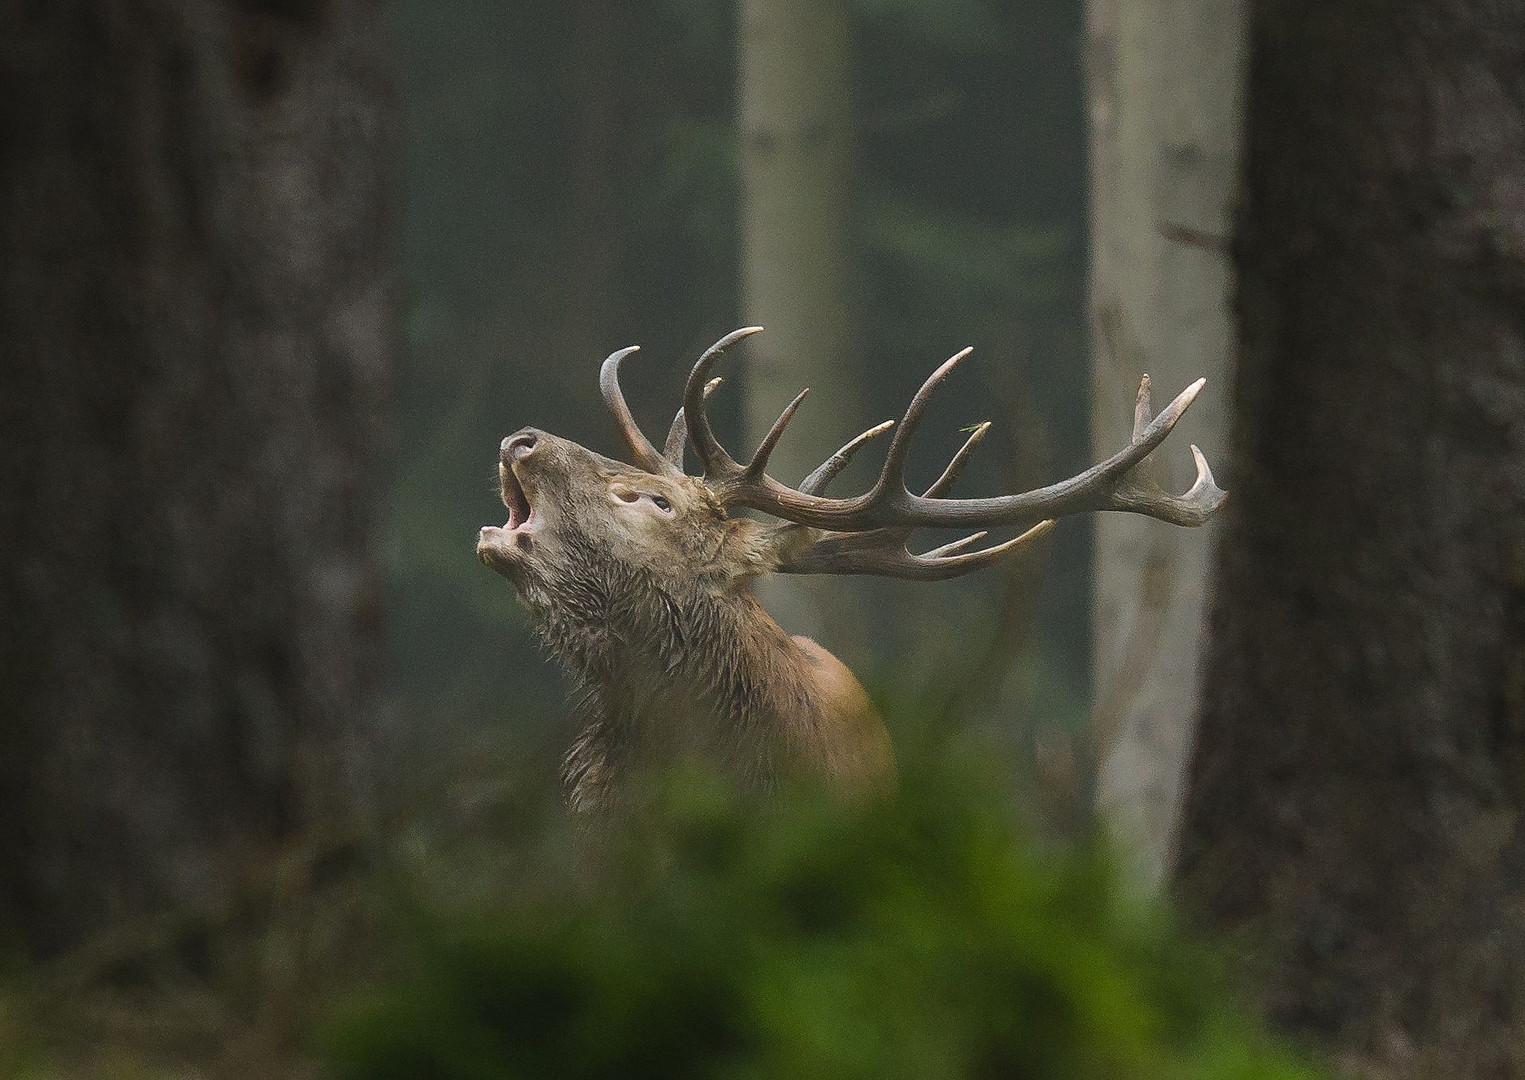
638	580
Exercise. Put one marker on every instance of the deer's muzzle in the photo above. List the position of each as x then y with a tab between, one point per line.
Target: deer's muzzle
499	545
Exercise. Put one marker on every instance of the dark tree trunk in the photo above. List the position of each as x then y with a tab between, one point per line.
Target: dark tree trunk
196	343
1360	769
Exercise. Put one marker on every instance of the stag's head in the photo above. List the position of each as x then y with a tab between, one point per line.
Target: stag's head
583	528
592	543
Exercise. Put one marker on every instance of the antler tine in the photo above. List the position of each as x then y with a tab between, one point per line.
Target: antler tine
892	475
956	466
955	546
1141	494
755	468
867	533
1142	413
826	471
1192	508
677	434
717	464
883	552
1104	486
942	563
646	455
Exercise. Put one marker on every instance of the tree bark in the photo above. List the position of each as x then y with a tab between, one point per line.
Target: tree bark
798	155
1359	774
196	344
1165	86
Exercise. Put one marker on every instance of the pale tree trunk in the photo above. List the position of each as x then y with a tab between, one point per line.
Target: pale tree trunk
196	342
798	156
1164	85
1358	784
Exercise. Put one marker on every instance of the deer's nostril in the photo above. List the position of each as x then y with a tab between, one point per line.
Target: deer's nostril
516	446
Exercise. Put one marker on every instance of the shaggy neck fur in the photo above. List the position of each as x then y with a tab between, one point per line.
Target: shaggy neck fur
704	673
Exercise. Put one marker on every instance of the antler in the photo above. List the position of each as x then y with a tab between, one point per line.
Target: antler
866	533
884	551
669	460
646	456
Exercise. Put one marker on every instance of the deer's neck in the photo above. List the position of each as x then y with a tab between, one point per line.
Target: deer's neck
716	663
714	677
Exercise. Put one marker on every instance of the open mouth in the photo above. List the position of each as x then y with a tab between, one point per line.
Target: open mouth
503	547
518	503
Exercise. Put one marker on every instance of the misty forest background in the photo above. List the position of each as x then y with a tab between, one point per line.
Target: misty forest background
611	217
278	755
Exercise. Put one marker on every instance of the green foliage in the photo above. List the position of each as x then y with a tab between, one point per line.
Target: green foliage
921	937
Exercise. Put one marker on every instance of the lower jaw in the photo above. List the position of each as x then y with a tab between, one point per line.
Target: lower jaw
496	556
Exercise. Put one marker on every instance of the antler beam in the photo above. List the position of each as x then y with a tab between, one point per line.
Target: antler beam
867	533
889	504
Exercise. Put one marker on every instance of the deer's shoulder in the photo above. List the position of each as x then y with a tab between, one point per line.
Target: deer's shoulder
857	746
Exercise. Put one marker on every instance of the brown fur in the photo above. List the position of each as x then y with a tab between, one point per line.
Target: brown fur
652	611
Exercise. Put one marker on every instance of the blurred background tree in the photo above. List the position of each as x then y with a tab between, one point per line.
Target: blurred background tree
798	155
1164	82
1356	794
197	339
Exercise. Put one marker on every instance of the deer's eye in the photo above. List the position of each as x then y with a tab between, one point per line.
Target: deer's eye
629	495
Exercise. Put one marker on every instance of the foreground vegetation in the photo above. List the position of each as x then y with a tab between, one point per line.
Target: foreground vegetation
920	937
